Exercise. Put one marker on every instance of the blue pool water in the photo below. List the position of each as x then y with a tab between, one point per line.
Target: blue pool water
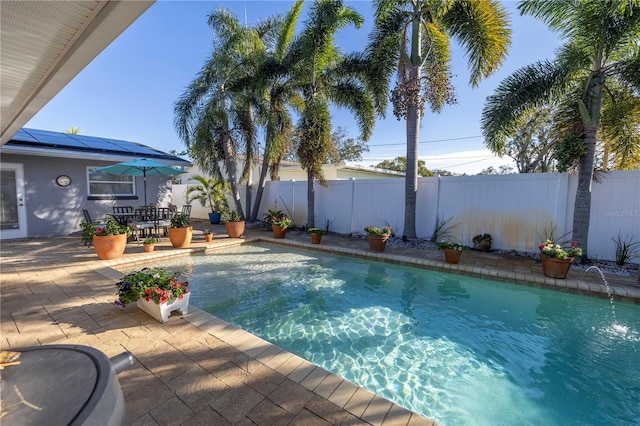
455	349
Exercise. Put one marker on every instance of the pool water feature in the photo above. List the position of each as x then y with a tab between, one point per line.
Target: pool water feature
455	349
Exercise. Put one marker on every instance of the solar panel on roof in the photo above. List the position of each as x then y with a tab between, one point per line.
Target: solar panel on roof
40	134
24	136
137	149
43	139
64	141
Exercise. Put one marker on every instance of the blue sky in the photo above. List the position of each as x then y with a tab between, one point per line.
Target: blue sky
129	90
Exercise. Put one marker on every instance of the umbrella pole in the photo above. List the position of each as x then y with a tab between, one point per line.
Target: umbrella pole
144	174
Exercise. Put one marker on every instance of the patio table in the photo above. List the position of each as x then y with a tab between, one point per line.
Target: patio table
123	218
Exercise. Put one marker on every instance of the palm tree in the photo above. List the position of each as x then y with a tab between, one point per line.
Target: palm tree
278	92
324	77
601	47
210	192
214	118
411	39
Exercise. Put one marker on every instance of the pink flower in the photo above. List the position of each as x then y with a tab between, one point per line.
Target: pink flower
98	230
158	291
573	244
147	291
163	299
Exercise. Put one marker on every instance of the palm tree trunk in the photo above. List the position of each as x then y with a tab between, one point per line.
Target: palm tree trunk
311	198
582	206
230	162
411	177
261	183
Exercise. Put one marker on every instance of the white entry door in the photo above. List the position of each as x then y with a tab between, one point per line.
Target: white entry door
13	213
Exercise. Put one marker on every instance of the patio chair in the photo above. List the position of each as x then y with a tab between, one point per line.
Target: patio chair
122	209
143	219
164	219
186	209
87	218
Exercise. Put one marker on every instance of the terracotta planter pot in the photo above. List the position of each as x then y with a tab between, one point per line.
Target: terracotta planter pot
279	231
553	267
378	242
235	229
148	247
180	237
208	238
452	256
315	237
110	247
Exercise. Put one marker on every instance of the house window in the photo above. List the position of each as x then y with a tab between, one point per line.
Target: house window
106	184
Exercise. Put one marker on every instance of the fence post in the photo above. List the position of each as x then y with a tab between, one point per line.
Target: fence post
437	198
353	184
293	200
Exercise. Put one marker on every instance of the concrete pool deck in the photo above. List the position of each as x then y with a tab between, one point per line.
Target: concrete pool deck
197	369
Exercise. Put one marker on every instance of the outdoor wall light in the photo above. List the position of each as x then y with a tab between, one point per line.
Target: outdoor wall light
63	180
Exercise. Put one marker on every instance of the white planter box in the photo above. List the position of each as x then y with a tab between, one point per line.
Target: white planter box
162	311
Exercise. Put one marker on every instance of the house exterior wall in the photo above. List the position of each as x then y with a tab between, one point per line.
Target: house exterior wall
336	173
54	211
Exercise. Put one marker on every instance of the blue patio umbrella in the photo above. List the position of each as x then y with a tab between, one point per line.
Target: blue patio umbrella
141	167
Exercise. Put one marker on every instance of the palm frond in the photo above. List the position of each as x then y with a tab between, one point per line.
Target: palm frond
529	86
482	27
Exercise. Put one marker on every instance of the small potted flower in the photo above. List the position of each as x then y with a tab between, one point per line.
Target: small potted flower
180	232
109	238
378	237
279	225
452	251
208	235
155	291
149	244
556	260
316	235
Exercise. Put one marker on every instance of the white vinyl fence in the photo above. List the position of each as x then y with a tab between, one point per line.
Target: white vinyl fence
517	210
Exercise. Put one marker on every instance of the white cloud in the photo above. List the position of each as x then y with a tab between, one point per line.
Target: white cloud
469	162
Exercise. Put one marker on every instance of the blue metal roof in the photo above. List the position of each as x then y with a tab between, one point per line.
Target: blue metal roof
45	139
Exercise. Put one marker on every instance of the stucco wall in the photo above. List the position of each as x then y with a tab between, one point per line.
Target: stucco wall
53	210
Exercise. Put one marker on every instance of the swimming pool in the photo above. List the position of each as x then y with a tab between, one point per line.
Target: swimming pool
455	349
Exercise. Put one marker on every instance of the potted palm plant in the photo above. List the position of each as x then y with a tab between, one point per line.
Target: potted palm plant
212	193
234	224
180	232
